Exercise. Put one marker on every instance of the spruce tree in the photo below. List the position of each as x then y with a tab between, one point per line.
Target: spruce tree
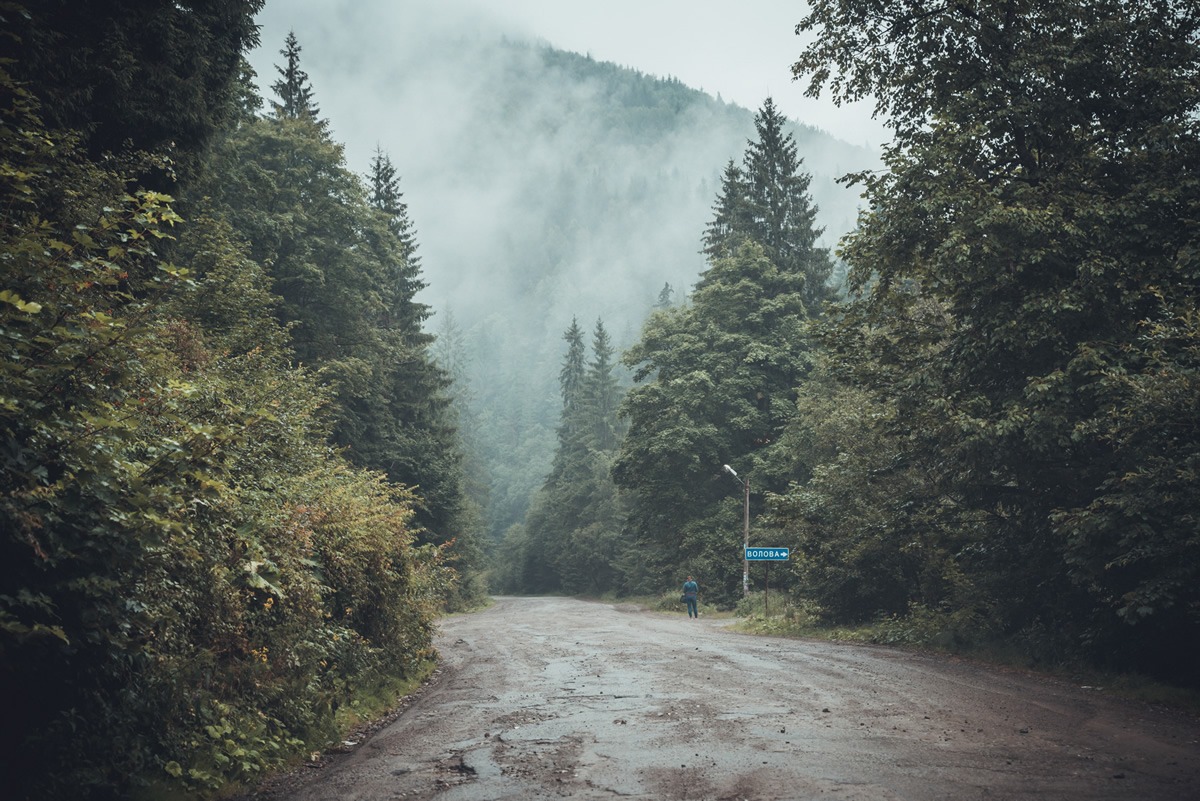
293	89
603	392
666	297
570	377
384	195
383	184
155	77
731	220
767	200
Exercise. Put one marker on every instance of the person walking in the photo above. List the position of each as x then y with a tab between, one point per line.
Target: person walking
690	590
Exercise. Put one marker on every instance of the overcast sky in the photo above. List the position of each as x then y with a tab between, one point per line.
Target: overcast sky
741	50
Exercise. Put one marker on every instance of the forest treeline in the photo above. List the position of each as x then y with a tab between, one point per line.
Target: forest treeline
993	434
231	491
578	188
233	494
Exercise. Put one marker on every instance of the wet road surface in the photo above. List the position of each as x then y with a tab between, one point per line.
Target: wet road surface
558	698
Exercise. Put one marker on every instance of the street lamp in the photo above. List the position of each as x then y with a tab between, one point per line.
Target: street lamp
745	528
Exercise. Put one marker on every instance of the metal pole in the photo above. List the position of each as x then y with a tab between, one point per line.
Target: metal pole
746	541
767	593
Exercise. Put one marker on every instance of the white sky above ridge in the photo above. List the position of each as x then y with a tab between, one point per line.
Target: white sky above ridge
741	50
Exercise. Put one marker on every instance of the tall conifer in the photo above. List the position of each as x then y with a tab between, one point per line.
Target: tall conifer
767	200
293	88
603	392
570	377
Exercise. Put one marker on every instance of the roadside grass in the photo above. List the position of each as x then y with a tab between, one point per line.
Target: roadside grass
374	702
669	603
927	631
476	605
370	708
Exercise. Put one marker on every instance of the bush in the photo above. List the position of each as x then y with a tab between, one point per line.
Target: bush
191	582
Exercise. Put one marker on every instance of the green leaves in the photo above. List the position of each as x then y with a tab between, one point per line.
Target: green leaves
344	272
191	580
1012	300
717	383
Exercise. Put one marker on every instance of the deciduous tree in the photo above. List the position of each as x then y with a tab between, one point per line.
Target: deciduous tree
1025	294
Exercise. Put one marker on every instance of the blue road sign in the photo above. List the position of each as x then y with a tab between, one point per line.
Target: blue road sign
767	554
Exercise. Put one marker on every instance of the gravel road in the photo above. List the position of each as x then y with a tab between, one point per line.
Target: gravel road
559	698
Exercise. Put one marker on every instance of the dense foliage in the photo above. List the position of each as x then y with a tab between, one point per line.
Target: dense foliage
193	576
343	263
154	76
571	540
718	374
1018	364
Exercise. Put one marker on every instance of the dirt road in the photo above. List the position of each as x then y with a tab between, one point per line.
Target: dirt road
557	698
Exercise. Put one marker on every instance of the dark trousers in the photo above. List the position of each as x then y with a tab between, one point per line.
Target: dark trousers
691	605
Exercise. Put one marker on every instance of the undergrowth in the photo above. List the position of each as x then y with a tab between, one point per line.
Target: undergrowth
957	634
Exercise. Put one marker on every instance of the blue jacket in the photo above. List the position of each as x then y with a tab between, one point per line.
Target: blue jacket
690	589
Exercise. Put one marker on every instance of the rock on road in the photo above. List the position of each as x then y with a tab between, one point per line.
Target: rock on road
560	698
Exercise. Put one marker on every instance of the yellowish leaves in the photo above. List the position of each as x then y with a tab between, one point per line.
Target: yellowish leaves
13	299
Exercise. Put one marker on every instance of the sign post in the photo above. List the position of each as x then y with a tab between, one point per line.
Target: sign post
746	539
745	482
767	555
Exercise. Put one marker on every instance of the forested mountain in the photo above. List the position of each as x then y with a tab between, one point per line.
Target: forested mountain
545	186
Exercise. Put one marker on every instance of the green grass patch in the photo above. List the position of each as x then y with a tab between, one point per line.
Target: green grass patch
375	701
669	603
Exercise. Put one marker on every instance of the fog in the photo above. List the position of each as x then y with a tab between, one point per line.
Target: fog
543	186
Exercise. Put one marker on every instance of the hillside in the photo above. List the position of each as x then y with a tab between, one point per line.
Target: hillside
545	185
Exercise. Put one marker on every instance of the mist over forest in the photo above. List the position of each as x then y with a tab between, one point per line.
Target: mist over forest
311	336
543	186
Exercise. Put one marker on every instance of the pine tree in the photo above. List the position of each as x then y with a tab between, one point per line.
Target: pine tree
293	89
767	200
783	216
571	376
603	392
666	297
731	221
384	195
383	184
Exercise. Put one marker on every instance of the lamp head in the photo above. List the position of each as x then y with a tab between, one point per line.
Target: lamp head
730	470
